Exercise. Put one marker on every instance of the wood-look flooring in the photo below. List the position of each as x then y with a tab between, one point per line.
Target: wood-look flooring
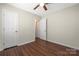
40	48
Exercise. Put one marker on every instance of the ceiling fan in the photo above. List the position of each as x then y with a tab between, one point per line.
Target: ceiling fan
42	5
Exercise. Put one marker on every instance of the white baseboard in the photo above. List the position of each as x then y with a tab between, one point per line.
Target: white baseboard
1	49
25	43
65	45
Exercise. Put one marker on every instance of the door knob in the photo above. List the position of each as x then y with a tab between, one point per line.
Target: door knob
16	31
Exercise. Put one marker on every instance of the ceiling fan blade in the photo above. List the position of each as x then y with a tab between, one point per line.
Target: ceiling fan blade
46	3
45	8
36	6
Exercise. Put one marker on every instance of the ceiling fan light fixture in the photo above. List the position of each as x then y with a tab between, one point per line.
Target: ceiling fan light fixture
41	4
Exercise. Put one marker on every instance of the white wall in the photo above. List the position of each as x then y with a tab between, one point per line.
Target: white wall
63	27
26	25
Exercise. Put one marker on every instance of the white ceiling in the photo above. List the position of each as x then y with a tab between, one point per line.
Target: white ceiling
52	7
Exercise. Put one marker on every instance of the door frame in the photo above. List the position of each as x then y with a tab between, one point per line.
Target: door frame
41	27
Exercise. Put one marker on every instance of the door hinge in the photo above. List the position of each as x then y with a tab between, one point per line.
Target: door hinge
3	43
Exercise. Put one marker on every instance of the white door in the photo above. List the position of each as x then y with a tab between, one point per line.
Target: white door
10	28
42	28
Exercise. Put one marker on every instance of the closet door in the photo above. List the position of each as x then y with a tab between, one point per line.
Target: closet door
10	28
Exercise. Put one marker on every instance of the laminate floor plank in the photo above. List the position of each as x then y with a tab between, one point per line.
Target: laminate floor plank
40	48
